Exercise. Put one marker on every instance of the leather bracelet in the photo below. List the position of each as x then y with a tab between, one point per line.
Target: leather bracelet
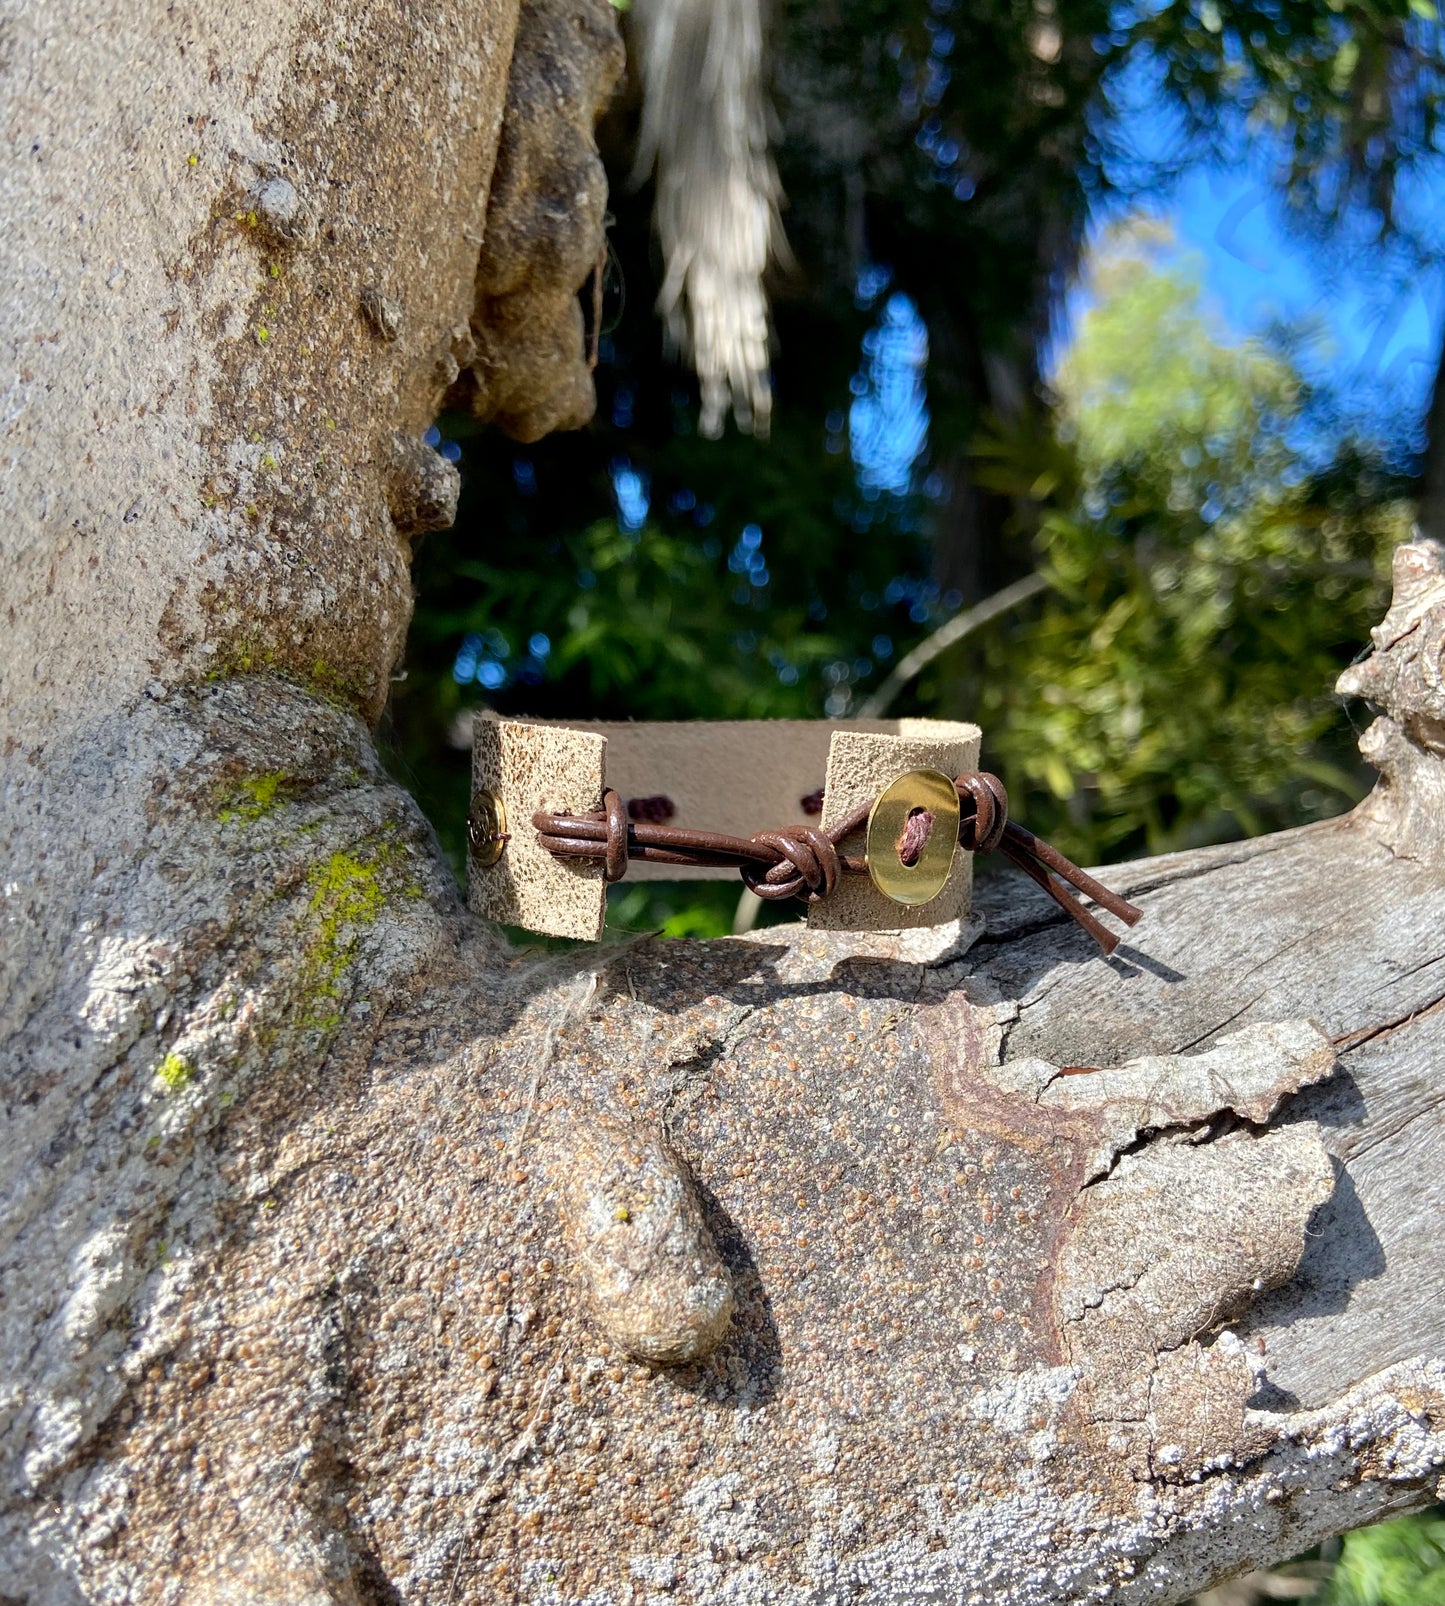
805	861
560	810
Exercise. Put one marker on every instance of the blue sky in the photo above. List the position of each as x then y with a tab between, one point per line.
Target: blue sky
1380	331
1378	327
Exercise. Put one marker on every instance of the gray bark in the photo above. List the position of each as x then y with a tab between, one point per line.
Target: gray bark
347	1254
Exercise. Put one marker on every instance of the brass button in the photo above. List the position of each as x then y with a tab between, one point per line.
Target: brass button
486	829
929	800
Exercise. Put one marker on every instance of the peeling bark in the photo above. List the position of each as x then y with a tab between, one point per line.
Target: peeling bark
1051	1278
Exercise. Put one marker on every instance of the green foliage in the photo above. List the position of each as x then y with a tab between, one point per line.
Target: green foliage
1173	687
644	620
681	909
679	618
1148	390
1400	1563
982	133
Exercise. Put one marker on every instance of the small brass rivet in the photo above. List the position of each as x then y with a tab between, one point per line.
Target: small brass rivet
918	790
486	829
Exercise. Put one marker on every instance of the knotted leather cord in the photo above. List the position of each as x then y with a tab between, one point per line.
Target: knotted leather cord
804	860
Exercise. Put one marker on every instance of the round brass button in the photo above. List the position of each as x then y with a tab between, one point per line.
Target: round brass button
486	829
900	827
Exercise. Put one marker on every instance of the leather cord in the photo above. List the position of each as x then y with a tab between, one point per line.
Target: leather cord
805	861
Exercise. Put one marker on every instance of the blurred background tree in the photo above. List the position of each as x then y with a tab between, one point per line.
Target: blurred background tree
1205	584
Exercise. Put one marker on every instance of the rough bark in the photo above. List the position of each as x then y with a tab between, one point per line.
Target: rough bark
1002	1272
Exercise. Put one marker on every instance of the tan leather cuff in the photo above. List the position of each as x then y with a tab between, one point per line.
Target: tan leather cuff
734	776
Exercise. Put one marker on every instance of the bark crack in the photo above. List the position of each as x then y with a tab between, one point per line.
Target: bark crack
1387	1133
1228	1020
1348	1042
1413	970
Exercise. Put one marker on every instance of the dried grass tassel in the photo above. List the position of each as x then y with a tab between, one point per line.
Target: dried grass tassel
705	131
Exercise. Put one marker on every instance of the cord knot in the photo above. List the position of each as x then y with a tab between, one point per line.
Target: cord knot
809	860
983	830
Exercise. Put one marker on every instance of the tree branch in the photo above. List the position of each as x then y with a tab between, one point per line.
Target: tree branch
957	629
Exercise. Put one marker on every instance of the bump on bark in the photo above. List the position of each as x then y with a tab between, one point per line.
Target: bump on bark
544	227
281	213
422	488
382	312
655	1281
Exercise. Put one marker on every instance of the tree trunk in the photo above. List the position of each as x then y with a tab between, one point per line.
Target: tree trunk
348	1255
